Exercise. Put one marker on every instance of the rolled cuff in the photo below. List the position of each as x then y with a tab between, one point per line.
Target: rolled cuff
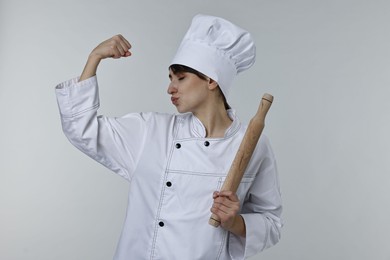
74	97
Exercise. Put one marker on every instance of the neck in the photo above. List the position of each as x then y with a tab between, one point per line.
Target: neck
215	122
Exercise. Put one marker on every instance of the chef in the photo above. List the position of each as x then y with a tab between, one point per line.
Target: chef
176	163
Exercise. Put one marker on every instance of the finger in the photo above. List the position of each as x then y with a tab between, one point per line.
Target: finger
121	38
220	200
226	207
121	50
225	218
122	46
126	51
229	194
118	52
126	42
218	212
125	46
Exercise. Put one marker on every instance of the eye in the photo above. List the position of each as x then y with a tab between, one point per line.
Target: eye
181	78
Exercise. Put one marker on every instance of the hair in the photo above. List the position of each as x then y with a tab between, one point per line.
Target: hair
177	68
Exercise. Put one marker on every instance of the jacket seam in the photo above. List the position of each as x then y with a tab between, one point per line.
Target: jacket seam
155	233
72	115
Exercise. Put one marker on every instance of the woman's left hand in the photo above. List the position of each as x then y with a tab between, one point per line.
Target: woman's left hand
226	206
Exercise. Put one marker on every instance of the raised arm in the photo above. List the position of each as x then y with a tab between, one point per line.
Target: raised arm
101	138
116	47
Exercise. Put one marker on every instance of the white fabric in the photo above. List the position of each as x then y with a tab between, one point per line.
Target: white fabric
217	48
142	147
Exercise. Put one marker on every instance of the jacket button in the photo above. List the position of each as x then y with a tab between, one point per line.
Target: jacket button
169	184
207	143
161	224
178	146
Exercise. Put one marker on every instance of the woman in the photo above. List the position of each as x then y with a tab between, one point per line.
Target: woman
175	164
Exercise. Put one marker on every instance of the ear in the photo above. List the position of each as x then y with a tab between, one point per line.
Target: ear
212	84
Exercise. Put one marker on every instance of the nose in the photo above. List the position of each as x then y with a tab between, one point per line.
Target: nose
171	89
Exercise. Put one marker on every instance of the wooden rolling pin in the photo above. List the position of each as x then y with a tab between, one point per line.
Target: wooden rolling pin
245	151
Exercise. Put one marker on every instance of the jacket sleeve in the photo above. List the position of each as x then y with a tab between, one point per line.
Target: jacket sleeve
261	209
114	142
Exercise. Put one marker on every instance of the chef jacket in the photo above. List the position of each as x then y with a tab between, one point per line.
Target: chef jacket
172	170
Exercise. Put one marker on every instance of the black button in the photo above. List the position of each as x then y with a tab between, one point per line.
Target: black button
161	224
169	184
207	143
178	146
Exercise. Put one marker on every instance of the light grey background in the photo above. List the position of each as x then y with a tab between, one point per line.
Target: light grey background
326	62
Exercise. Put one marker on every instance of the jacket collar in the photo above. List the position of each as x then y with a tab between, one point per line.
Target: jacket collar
198	129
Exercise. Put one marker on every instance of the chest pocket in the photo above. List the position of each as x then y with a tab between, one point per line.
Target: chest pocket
243	188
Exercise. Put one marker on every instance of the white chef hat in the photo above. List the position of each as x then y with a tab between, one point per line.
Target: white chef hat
216	48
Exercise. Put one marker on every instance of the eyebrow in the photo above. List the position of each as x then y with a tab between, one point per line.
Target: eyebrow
177	74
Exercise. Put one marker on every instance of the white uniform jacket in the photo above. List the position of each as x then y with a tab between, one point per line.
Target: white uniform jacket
172	171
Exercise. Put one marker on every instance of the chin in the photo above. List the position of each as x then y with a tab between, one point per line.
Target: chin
181	110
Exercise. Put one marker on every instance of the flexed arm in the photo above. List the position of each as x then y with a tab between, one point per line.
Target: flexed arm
116	47
110	141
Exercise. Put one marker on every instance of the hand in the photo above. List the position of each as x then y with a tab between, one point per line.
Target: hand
226	206
115	47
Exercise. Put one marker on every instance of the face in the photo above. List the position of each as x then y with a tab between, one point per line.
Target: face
189	93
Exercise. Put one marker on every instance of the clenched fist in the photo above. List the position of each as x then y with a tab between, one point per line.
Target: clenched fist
115	47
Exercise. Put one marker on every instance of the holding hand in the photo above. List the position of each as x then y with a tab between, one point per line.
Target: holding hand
226	206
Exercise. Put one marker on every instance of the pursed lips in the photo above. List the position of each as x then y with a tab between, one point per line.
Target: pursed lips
174	100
